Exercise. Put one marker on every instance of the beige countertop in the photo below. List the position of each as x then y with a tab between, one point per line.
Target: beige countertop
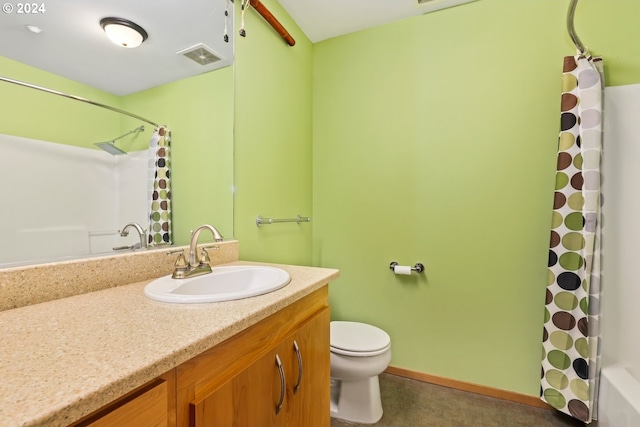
63	359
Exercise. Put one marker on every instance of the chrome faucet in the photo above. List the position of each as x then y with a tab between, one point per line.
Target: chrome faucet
196	264
142	233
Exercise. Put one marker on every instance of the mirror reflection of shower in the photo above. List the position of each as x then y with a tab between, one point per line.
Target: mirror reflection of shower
110	146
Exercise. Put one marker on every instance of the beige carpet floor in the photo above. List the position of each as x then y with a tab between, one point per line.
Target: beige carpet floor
411	403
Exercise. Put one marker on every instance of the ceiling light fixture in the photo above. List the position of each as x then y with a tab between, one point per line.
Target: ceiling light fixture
123	32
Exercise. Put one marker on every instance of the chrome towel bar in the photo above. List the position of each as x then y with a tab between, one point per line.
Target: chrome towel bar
298	219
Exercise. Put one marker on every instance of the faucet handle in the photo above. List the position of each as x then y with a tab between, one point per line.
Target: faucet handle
204	257
181	267
181	262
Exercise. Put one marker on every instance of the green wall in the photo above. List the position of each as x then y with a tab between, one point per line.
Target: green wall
434	141
35	114
273	168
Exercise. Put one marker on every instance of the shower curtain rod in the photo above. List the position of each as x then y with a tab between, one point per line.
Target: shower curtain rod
572	32
77	98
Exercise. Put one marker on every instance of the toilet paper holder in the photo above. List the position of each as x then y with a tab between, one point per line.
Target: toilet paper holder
419	267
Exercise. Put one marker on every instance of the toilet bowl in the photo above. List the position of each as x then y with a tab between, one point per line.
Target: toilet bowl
359	353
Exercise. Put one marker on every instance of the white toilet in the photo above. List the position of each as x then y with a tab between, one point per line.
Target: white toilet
359	353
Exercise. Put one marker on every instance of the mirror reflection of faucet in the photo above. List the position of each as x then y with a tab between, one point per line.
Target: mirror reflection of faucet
194	264
142	234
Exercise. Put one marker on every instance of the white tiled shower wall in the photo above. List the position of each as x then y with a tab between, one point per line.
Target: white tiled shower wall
61	201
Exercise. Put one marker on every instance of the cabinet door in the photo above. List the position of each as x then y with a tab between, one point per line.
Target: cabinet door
239	383
289	386
248	399
306	357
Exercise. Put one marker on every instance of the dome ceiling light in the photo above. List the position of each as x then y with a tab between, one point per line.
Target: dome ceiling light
123	32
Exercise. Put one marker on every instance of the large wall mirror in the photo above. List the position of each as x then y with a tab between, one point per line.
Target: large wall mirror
63	196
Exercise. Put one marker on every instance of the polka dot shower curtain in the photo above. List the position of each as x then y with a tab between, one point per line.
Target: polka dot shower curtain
570	365
160	187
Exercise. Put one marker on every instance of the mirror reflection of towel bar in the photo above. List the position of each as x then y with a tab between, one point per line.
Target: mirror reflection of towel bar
298	219
103	232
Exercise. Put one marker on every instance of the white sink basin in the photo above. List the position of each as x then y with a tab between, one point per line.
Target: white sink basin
222	284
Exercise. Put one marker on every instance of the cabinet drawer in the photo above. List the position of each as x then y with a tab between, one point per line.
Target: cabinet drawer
152	405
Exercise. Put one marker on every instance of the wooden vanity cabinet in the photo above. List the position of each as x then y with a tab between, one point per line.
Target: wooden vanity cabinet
240	383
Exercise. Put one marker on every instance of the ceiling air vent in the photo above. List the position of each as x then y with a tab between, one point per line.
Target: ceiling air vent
200	53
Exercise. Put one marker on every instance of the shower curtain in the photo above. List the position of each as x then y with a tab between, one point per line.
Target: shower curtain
160	187
571	336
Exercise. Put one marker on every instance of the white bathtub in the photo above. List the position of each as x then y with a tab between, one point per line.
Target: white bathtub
619	399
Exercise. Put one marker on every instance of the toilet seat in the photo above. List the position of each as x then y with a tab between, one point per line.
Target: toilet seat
358	339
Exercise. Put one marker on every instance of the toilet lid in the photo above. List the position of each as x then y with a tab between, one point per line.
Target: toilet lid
358	337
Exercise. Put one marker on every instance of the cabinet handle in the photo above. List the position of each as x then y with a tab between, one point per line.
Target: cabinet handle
283	384
300	369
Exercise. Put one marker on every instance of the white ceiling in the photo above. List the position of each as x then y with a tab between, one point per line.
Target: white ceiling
324	19
72	43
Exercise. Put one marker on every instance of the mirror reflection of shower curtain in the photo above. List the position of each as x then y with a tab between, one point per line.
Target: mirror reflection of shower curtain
571	341
160	187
